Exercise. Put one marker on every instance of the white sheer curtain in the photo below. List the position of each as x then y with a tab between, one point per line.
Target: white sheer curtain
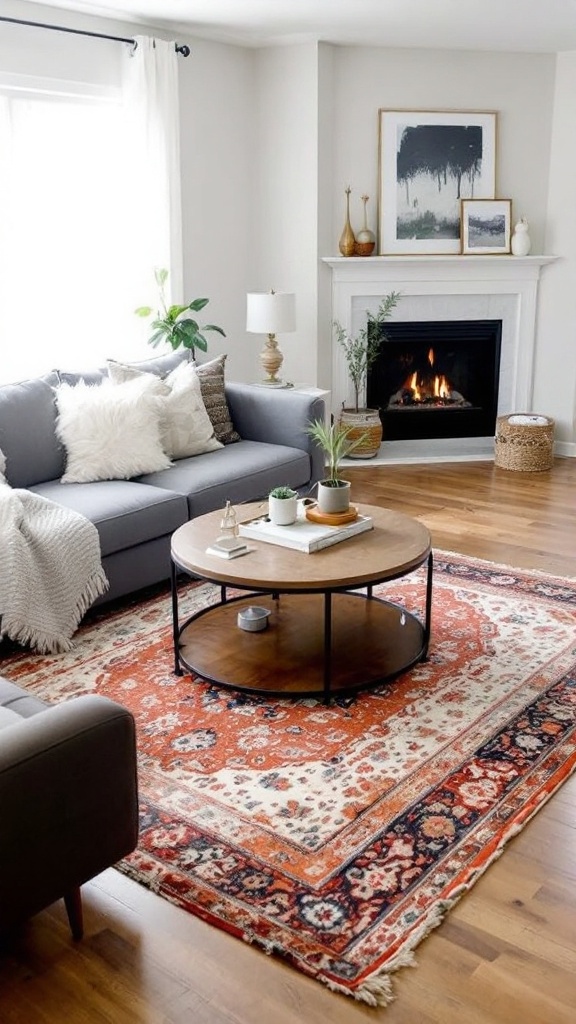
89	207
152	98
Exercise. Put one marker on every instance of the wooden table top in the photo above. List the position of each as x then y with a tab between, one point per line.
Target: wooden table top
395	546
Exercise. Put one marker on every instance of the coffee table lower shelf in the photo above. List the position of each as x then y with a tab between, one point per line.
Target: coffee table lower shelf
372	641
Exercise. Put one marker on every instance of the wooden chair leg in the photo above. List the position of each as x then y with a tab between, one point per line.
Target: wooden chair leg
73	902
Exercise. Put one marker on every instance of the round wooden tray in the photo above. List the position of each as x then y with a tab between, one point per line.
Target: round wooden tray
331	519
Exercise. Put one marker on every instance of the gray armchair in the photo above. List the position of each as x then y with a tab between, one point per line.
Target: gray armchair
68	799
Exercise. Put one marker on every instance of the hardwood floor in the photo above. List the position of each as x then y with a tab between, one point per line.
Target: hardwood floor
506	954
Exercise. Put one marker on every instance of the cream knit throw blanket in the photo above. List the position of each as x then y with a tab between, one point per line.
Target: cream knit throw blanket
50	570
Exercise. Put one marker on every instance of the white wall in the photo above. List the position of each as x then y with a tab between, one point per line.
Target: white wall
283	243
555	376
519	86
218	153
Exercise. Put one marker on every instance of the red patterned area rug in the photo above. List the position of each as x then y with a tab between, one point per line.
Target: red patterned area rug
338	837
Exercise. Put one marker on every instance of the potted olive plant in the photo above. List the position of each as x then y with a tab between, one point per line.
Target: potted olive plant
283	506
171	324
336	442
360	352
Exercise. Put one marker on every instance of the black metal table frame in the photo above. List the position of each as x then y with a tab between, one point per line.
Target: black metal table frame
275	593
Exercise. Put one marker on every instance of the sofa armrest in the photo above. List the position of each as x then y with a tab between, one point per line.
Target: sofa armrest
277	416
68	797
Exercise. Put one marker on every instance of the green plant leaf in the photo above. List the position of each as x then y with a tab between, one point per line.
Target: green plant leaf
170	325
156	338
175	311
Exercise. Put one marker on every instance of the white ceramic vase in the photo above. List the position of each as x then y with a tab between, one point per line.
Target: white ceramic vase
521	243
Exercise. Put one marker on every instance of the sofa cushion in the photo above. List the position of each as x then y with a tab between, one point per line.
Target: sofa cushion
74	377
8	718
18	701
186	427
28	431
160	365
125	513
111	432
241	472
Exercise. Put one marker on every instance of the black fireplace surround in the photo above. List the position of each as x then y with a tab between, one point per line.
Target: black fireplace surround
436	378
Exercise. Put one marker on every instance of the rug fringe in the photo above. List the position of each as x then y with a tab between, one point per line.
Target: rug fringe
378	989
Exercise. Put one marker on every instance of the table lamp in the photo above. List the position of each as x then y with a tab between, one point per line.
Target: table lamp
271	313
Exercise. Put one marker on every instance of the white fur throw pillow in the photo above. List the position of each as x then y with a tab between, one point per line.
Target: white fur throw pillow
186	426
2	467
109	432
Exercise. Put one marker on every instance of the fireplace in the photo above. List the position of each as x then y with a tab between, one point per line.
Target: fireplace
442	288
437	379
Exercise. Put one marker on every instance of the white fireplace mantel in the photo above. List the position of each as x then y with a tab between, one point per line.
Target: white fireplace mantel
445	288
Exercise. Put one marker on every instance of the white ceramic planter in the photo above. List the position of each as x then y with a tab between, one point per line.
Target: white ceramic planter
282	511
334	499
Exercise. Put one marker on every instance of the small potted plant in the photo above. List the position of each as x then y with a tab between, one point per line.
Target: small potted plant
283	506
170	323
360	352
336	442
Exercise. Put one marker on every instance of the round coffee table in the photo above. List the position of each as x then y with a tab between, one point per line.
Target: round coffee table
327	633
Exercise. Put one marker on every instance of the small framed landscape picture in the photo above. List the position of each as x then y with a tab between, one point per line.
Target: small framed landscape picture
486	226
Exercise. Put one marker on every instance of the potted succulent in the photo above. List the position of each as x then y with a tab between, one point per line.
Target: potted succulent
283	506
171	324
360	352
336	442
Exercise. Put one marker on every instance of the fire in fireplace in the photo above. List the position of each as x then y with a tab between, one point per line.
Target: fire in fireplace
437	378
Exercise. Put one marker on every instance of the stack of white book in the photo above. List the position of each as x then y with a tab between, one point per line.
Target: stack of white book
303	535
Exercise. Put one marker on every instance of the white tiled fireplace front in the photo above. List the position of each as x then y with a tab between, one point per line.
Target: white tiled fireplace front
444	288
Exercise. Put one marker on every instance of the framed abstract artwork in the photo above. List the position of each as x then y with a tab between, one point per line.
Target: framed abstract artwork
486	226
429	161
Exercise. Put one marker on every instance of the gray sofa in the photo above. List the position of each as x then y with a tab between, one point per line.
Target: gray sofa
135	518
69	799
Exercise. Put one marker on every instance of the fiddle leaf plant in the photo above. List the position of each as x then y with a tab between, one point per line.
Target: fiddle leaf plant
170	323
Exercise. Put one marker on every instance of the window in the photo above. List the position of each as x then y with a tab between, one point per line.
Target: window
71	231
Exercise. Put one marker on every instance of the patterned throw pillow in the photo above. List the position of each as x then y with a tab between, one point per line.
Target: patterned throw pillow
111	432
212	383
186	427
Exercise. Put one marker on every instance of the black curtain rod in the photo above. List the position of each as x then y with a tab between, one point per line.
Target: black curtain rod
184	50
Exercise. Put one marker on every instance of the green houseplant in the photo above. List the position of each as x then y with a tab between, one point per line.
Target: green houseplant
170	323
336	441
360	352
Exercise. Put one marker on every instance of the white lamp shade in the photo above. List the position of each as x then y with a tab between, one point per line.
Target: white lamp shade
270	312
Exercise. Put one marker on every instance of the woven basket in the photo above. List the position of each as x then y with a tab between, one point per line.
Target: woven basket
527	447
365	426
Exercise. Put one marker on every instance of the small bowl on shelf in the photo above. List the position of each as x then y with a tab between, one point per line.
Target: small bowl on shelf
253	619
